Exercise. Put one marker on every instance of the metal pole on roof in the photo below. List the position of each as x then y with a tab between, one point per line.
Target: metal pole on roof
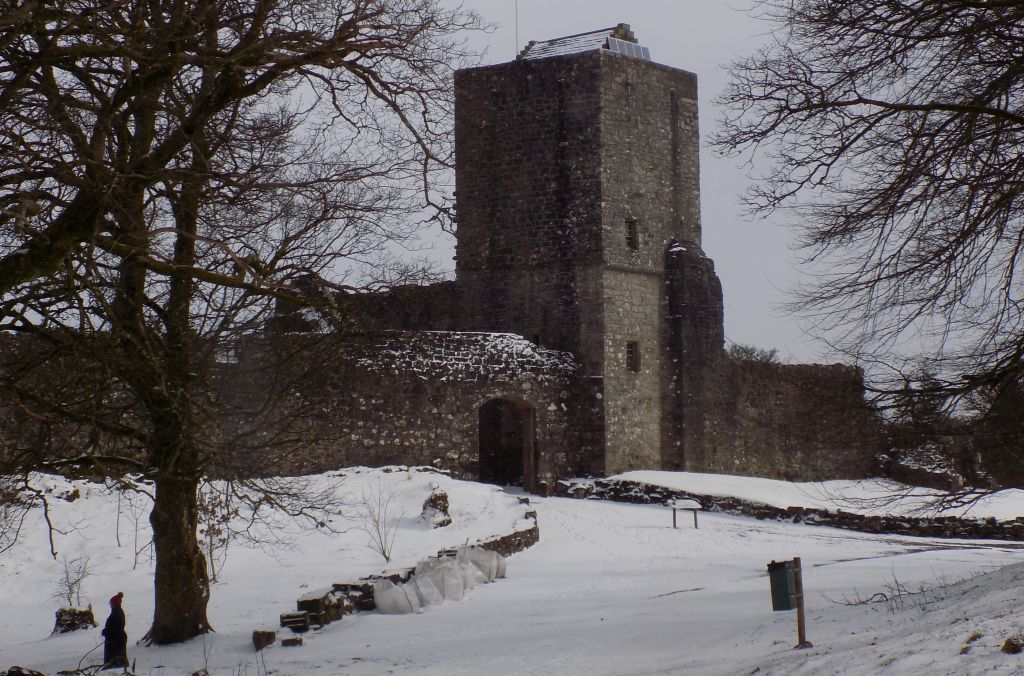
516	46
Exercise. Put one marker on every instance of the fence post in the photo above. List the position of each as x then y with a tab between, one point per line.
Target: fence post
798	582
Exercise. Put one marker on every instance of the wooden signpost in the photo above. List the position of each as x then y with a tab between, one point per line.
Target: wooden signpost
787	586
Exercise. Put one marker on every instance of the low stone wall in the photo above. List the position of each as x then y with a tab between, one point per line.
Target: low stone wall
940	527
317	609
507	545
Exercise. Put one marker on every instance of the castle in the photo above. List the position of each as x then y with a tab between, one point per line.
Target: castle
583	333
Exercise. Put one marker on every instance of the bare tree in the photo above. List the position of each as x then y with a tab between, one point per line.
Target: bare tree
168	170
69	585
14	508
892	132
379	519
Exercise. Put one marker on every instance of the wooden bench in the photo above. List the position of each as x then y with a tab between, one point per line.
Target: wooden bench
685	505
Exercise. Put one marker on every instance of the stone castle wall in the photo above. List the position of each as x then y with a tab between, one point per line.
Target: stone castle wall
784	421
559	162
805	422
694	338
413	398
632	403
406	308
528	201
649	158
650	189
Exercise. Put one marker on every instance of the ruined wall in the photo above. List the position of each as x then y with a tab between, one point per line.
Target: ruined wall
413	398
694	338
804	422
411	307
406	308
801	422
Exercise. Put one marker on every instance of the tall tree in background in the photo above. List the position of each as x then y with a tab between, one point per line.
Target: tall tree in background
894	132
998	428
167	169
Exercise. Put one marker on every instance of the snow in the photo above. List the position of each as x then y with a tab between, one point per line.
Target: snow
464	355
684	504
610	589
873	496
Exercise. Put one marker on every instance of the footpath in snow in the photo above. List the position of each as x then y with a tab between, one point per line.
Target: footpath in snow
610	589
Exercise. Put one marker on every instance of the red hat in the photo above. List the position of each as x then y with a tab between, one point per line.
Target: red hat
116	600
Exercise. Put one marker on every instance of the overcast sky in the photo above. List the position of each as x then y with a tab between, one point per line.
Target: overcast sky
752	257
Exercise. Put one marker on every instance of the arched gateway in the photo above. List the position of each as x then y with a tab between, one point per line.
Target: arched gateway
508	448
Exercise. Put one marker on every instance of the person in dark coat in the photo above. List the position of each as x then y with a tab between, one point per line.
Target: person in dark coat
115	639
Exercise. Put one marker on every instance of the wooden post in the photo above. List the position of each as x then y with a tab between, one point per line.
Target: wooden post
695	518
798	582
673	517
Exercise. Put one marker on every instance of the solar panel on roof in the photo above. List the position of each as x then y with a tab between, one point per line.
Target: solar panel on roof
570	44
585	42
630	49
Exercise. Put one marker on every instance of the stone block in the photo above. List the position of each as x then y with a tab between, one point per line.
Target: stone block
73	619
357	596
261	638
435	510
297	622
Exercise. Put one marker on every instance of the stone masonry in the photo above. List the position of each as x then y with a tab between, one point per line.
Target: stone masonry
583	333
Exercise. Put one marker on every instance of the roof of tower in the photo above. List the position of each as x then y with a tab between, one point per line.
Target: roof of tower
619	39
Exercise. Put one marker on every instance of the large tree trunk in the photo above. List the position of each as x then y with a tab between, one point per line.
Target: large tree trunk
181	583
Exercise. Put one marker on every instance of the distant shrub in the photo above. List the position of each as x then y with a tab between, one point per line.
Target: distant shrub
752	353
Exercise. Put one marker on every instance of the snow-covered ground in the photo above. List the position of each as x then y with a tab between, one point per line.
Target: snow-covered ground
873	496
610	589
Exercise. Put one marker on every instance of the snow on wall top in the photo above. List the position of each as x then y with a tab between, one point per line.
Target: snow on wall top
464	356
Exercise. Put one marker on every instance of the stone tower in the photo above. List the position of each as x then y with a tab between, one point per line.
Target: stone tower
579	228
579	232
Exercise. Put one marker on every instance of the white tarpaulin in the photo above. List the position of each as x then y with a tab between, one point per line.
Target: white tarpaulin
395	599
451	577
427	591
490	564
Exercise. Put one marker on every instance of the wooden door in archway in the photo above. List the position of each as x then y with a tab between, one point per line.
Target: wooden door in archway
507	444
